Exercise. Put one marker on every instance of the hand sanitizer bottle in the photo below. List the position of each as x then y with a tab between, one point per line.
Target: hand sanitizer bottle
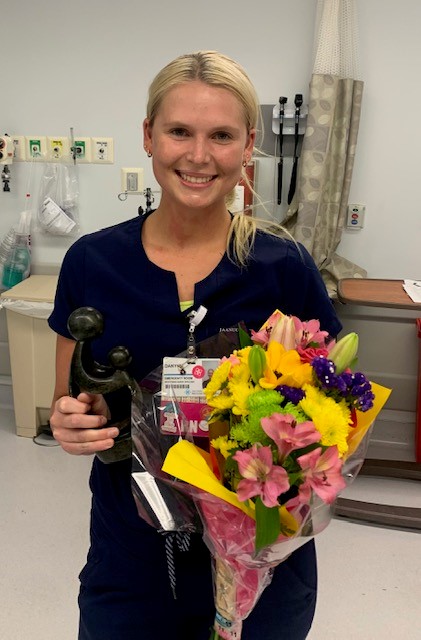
18	265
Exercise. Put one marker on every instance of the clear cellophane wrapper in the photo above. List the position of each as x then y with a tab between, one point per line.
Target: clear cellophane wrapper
170	504
241	575
163	501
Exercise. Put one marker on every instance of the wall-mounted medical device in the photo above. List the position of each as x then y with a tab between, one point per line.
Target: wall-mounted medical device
6	158
6	149
284	125
272	123
40	148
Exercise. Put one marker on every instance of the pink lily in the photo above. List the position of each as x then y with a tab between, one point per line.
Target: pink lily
322	472
287	434
262	336
261	477
306	332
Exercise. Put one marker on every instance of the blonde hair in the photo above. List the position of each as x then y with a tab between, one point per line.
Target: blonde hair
217	69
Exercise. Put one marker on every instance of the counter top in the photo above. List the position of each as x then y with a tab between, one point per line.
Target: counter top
33	289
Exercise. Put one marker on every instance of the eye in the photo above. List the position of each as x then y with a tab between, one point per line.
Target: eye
222	136
179	132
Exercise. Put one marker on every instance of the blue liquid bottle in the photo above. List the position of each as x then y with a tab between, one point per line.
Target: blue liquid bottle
17	267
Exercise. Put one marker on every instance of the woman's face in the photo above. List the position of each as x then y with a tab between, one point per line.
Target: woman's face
199	141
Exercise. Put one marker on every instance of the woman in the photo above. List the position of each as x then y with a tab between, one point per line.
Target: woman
144	275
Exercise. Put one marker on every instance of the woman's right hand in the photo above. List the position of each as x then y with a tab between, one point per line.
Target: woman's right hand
78	424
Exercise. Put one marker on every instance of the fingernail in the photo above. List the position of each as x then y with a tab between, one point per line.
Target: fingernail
113	433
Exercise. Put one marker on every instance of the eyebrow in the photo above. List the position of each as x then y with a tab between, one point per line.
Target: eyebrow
183	125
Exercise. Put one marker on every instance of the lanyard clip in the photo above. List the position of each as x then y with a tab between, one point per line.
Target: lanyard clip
195	318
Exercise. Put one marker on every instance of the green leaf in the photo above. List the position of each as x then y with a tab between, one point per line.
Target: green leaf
245	340
268	525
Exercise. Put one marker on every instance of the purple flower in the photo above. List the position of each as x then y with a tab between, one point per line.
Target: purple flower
354	387
325	372
291	394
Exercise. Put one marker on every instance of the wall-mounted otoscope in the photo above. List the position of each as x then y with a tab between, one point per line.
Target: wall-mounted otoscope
298	101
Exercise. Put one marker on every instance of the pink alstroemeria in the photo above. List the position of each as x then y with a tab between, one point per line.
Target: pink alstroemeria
261	477
307	332
262	336
232	358
287	434
322	472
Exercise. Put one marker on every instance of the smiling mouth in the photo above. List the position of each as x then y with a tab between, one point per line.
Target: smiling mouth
195	179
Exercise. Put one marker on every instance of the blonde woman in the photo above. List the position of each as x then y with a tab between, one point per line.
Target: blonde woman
145	275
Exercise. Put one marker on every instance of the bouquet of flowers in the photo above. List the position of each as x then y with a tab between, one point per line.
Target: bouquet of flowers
288	431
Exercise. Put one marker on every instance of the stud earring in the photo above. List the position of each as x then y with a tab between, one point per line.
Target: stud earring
148	152
245	163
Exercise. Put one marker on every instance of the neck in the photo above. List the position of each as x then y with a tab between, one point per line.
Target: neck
189	227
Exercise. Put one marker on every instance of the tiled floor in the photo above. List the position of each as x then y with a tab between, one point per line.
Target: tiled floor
370	577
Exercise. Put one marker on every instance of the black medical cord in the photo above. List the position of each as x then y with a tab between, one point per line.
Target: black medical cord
298	101
282	101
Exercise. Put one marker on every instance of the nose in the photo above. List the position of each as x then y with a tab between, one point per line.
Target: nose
198	152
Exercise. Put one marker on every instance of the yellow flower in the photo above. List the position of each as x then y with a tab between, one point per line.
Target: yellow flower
239	386
239	373
284	367
274	353
331	418
243	354
221	403
224	445
294	372
240	392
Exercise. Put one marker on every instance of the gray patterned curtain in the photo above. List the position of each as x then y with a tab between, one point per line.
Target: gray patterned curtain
317	214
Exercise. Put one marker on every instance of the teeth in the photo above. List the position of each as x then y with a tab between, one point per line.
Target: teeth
194	179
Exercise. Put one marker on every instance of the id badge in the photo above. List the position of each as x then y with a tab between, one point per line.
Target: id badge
183	382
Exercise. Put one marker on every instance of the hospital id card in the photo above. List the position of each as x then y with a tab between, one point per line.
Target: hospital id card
183	404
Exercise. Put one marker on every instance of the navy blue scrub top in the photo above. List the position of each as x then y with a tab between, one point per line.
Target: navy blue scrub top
109	270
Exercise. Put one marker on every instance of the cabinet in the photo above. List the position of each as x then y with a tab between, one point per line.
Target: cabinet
32	351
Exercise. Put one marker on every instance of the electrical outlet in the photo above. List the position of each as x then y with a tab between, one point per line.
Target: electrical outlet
36	148
132	180
83	149
19	152
58	149
102	150
355	216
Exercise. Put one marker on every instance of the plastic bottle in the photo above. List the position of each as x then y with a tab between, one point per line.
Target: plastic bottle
6	248
18	264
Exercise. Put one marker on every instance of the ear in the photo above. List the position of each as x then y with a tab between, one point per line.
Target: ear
251	137
147	133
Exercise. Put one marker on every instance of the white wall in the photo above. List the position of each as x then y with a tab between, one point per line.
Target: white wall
88	63
388	167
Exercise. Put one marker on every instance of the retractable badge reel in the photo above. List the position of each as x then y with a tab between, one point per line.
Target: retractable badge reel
195	318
